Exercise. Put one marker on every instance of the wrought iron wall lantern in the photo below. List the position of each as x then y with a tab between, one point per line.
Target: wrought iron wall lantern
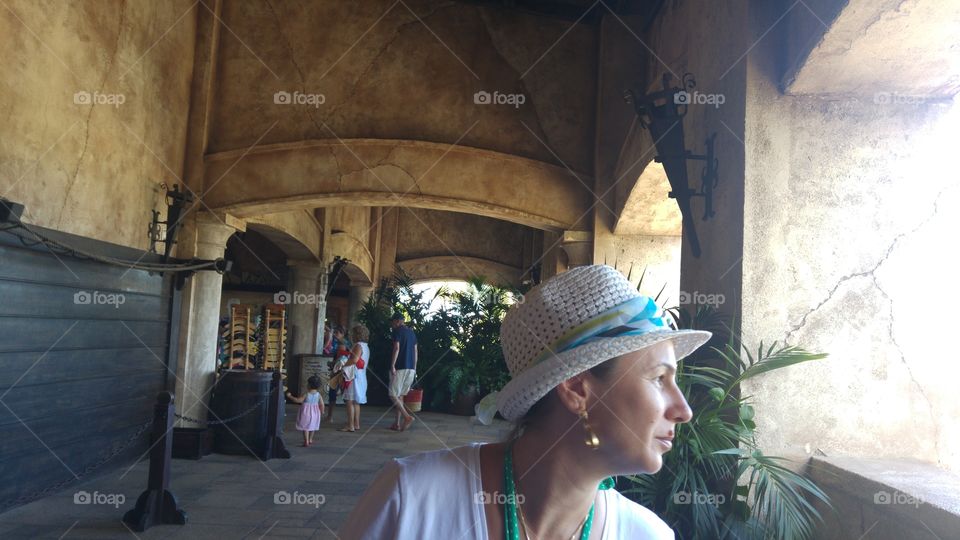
662	113
334	269
166	231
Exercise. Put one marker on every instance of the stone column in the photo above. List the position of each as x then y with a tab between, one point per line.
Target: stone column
322	282
204	237
578	246
303	305
358	295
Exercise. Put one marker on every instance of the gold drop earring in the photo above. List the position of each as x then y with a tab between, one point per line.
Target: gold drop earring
591	440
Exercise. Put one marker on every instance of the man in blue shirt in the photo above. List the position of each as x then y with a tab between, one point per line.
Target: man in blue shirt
403	369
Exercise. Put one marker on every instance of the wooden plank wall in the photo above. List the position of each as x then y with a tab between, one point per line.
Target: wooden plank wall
76	379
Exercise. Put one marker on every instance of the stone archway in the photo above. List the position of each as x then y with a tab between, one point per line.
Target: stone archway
375	172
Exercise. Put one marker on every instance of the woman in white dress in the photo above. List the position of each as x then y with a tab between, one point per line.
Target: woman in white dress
356	393
582	348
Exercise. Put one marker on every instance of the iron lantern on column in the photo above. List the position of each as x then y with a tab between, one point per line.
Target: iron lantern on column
662	113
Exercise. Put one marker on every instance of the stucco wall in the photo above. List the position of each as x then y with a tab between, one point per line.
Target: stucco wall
849	211
383	74
94	100
659	256
350	238
431	233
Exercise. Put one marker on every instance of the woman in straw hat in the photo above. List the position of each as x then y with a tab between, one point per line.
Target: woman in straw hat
593	395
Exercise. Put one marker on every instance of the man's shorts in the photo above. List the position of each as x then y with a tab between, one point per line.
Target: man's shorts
401	382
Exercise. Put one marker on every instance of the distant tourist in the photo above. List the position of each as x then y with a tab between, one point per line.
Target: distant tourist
403	369
583	348
338	348
356	393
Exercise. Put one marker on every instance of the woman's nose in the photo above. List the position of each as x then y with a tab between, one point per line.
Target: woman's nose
680	412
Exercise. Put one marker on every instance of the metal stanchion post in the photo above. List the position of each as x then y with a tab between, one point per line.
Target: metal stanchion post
157	505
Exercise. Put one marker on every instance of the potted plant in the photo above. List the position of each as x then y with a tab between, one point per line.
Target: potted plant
476	366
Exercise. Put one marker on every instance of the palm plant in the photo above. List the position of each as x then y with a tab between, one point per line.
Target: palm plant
476	314
433	330
717	483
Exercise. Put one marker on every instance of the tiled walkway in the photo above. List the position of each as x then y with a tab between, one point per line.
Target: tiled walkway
229	497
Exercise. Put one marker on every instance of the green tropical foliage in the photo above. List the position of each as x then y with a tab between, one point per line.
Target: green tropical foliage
476	315
459	343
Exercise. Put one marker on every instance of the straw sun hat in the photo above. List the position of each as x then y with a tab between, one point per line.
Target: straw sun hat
571	323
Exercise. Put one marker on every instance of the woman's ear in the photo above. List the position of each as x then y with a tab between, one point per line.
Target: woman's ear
575	392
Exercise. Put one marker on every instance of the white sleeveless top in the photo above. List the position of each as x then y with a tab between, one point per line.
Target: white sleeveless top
433	494
360	380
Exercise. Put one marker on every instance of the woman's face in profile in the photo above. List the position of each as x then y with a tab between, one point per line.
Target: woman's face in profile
641	405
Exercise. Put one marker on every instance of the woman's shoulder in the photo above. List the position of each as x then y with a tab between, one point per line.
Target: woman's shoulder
454	461
633	520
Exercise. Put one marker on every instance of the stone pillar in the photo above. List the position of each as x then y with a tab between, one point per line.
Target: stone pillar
204	237
358	295
303	305
322	282
578	245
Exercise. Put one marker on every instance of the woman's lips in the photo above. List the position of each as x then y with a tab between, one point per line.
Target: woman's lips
666	442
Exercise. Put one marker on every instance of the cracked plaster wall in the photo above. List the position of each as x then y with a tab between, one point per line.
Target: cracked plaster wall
94	170
393	73
849	211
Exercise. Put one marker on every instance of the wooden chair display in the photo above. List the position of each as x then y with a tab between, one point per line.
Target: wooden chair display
243	346
274	337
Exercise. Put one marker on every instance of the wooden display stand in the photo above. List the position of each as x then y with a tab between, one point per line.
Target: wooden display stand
274	337
240	345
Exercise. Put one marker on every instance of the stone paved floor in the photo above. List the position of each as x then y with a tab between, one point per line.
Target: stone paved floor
229	497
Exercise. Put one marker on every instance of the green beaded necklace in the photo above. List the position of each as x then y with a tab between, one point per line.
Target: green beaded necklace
510	522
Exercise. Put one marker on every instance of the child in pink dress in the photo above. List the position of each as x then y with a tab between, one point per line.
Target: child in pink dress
311	408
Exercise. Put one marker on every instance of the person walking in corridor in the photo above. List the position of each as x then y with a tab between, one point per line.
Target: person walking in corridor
403	369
